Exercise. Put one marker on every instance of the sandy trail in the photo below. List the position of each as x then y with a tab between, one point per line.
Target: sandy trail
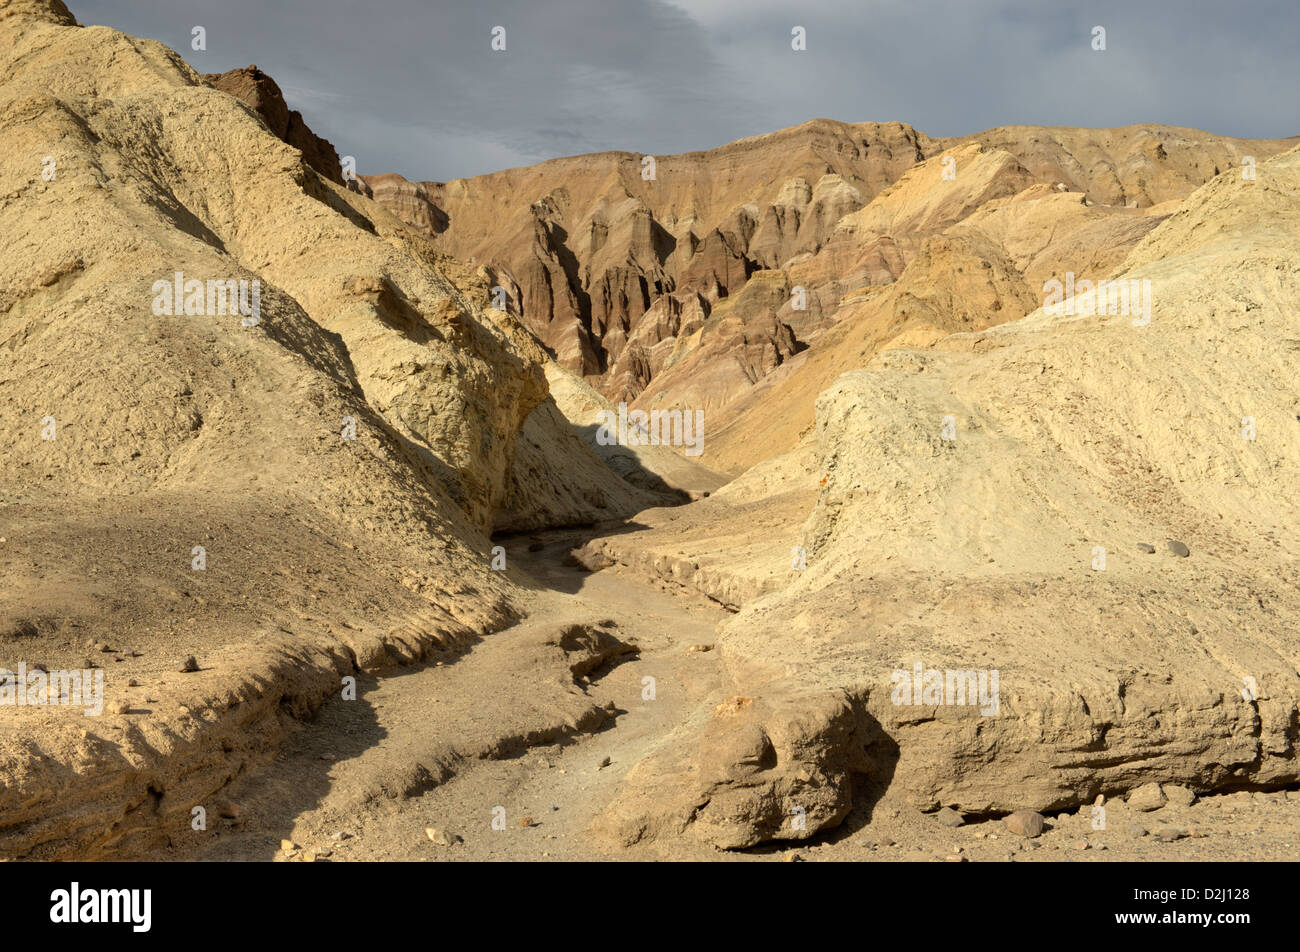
443	745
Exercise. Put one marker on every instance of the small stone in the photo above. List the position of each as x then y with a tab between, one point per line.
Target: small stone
288	846
1080	845
189	665
605	762
1101	798
950	817
699	648
85	663
955	859
1179	796
309	856
441	837
132	683
340	836
324	854
1136	830
1167	834
122	707
103	647
526	821
1025	823
327	756
1147	797
1146	547
1178	548
229	810
794	858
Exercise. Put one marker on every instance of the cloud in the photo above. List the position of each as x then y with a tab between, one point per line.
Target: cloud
414	87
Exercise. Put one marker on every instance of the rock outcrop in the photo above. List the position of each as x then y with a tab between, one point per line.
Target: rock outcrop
259	91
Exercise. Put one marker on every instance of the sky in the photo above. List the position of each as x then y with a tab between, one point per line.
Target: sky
416	88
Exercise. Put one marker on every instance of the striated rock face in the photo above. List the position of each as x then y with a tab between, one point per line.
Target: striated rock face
586	246
985	510
259	91
629	279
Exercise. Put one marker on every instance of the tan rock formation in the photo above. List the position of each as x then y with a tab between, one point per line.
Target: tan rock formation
980	510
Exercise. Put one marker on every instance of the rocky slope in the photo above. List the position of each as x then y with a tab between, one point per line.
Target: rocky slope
263	96
690	283
292	479
1098	512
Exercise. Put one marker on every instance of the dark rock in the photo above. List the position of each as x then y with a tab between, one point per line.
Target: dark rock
1025	823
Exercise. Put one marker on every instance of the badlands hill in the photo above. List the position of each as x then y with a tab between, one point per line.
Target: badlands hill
711	276
1098	511
299	485
292	476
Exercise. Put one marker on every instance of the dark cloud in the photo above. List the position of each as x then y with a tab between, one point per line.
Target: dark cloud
414	87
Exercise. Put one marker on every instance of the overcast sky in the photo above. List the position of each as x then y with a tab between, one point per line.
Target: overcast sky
414	87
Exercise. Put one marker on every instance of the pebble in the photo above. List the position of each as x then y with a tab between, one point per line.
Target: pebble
955	859
288	846
132	683
950	817
1136	830
1178	795
1025	823
189	665
122	707
1146	547
699	648
526	821
1080	845
441	837
604	763
1167	834
1178	548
